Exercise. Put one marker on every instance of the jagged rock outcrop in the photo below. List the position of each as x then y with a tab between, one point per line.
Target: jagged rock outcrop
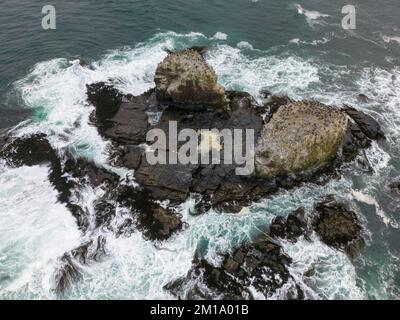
106	98
291	228
300	136
155	221
338	226
121	118
368	125
185	80
260	266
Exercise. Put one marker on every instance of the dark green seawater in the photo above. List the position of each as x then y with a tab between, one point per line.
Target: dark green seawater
288	47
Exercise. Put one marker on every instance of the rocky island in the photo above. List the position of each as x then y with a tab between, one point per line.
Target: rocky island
294	142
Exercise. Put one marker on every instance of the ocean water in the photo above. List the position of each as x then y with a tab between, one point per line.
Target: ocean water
287	47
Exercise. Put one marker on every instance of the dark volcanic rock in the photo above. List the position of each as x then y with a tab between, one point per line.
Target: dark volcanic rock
106	99
130	123
128	156
87	171
156	222
166	181
285	159
338	227
28	151
395	186
260	265
368	125
121	118
291	227
104	212
176	181
165	222
363	98
353	141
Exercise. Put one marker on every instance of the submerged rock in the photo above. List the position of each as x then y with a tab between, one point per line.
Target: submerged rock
69	268
86	171
363	98
185	80
300	136
338	227
394	186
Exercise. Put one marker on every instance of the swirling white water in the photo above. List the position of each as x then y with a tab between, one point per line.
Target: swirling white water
36	230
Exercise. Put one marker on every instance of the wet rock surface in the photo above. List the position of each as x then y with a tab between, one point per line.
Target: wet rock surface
291	228
28	151
155	221
36	150
394	186
368	125
175	182
261	266
338	226
107	100
68	175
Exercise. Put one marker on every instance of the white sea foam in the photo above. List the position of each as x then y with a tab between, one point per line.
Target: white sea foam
394	39
378	158
220	36
382	86
365	198
334	275
244	45
35	232
312	43
312	17
282	75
